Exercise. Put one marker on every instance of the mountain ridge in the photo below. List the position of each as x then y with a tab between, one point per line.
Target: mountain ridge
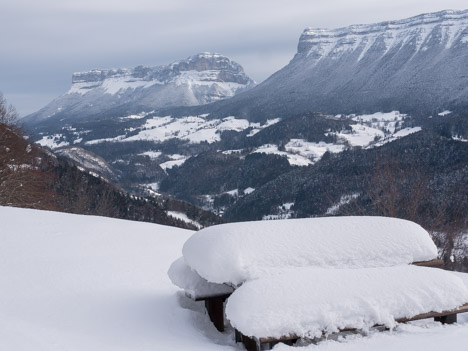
415	65
199	79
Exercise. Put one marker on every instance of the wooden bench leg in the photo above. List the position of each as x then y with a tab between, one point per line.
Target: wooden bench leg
253	344
237	336
215	308
448	319
250	343
273	344
291	342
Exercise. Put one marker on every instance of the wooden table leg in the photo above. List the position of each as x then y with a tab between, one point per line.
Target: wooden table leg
250	343
448	319
215	308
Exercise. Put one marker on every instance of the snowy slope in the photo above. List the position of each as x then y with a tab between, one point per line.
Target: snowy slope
70	282
87	160
157	129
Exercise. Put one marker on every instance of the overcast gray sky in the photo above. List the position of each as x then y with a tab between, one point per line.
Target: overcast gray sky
45	41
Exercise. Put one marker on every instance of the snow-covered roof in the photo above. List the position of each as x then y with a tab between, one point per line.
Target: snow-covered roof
195	286
308	301
237	252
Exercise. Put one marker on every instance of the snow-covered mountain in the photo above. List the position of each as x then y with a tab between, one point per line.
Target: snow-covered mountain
411	65
199	79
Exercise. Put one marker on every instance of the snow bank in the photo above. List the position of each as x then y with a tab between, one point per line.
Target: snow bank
307	301
195	286
236	252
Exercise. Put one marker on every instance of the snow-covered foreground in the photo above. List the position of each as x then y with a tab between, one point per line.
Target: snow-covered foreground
70	282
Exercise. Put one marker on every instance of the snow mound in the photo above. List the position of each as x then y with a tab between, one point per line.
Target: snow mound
308	301
195	286
236	252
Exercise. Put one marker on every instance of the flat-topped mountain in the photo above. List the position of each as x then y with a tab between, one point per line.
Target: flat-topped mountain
411	65
449	28
199	79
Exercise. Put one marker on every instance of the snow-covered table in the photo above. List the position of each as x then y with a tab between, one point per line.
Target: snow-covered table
199	289
233	253
265	264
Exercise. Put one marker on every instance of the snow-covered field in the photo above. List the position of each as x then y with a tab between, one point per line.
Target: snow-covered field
376	129
52	141
70	282
194	129
367	131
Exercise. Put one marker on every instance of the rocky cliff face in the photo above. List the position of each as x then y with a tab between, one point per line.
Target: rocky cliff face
203	67
413	65
199	79
445	29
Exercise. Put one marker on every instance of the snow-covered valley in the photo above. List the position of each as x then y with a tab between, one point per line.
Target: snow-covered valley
365	131
143	152
70	282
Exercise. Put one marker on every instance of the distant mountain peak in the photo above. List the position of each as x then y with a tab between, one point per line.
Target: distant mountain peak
208	61
196	80
203	67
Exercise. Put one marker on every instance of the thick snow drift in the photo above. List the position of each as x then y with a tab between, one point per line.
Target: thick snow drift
194	285
236	252
308	301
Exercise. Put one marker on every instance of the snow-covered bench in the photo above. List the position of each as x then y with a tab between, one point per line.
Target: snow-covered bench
309	302
219	259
